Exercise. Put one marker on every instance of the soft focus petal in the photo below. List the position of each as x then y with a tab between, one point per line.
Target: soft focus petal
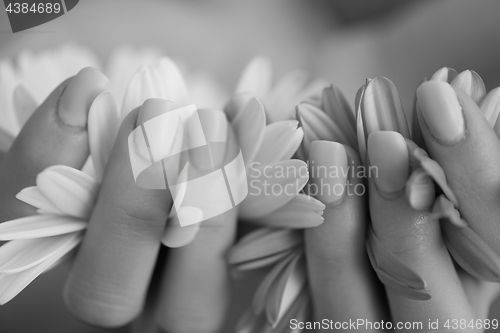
263	243
19	255
70	190
33	196
123	62
286	289
272	186
6	140
471	83
12	284
249	127
256	78
39	226
237	104
103	123
8	82
260	296
301	212
280	142
162	79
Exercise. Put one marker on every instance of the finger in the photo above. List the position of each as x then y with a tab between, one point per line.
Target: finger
411	237
195	289
343	284
55	134
108	283
481	294
460	139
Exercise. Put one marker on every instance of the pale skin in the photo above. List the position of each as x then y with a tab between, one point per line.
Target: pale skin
111	273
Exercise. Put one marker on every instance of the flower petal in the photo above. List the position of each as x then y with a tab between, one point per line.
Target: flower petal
19	255
24	104
272	186
260	296
268	243
471	252
33	196
12	284
261	262
444	209
6	140
256	78
103	123
249	127
39	226
236	104
70	190
280	102
161	79
339	110
177	236
280	142
393	273
286	289
446	74
301	212
490	106
471	83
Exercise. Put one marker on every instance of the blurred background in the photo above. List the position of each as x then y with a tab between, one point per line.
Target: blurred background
342	41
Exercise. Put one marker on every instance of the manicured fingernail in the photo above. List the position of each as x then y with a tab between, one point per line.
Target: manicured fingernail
329	170
471	83
215	130
381	110
78	96
159	132
441	111
387	152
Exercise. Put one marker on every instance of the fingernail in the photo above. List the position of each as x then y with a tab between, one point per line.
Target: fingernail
78	96
381	110
159	127
215	130
387	152
471	83
441	111
329	170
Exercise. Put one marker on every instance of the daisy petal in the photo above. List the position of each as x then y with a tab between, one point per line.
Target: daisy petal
249	126
338	109
251	323
420	190
24	104
177	236
6	140
256	77
445	74
471	252
471	83
393	273
33	196
490	106
280	105
286	289
19	255
299	311
39	226
444	209
262	262
70	190
267	244
281	140
102	128
259	298
12	284
273	186
301	212
236	104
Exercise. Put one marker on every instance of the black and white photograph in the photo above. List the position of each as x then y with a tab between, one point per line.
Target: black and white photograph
249	166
